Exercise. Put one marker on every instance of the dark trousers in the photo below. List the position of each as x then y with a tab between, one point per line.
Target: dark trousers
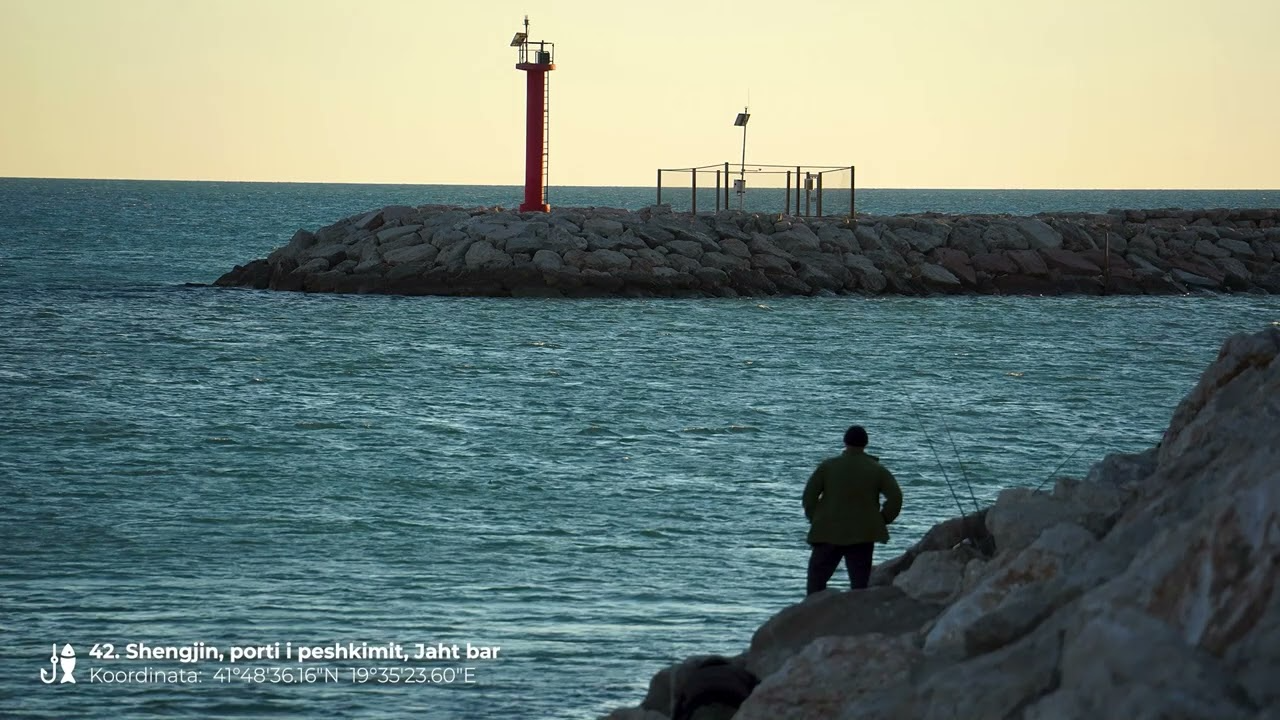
825	557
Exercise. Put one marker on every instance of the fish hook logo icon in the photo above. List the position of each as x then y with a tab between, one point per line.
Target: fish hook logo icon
67	661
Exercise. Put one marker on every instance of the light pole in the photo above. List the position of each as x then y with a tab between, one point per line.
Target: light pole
741	122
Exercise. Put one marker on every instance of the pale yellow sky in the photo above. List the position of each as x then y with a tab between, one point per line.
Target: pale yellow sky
916	93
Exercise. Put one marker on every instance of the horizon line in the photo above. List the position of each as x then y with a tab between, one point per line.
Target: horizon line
497	185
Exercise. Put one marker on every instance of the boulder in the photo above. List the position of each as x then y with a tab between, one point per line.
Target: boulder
332	254
798	239
313	266
869	278
699	684
1191	279
416	254
256	274
995	264
1237	275
938	276
1210	249
736	247
301	240
389	234
1020	514
966	236
1039	235
602	226
921	242
829	674
867	237
606	261
830	613
1069	263
1029	262
990	685
1046	560
957	263
1124	663
547	260
626	241
484	256
771	264
1002	236
688	248
934	576
722	261
369	221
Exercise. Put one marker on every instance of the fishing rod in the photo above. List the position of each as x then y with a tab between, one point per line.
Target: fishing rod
928	438
960	462
1064	462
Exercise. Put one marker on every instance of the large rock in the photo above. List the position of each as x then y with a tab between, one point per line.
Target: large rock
602	226
1127	664
995	264
869	277
798	239
416	254
829	674
1039	235
606	261
938	276
1069	263
999	236
833	613
934	577
484	256
1029	262
547	260
1046	560
386	236
957	263
1019	515
921	242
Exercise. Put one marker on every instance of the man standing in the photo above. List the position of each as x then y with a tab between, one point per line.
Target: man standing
842	502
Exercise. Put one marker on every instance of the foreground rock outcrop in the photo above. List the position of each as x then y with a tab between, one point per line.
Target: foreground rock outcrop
439	250
1148	589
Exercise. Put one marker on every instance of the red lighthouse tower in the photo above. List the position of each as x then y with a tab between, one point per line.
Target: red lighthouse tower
537	63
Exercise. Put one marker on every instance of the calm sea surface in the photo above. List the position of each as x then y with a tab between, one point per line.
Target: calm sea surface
599	487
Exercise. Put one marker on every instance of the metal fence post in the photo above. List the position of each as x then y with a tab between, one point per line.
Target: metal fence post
694	193
797	191
852	185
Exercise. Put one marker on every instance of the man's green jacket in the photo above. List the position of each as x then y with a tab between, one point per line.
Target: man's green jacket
842	500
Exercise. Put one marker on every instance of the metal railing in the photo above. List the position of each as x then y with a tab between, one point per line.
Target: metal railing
814	186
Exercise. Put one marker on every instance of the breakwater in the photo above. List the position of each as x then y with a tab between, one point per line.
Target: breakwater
654	252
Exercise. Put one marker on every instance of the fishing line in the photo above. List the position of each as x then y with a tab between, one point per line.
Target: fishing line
915	411
960	462
1064	462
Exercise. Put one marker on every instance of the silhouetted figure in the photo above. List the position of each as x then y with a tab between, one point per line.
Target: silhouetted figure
842	502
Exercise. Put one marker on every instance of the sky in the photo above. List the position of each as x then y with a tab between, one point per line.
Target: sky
914	93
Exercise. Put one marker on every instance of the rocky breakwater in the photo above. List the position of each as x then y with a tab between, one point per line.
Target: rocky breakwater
437	250
1148	589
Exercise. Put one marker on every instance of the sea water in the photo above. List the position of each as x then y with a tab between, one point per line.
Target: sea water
588	489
